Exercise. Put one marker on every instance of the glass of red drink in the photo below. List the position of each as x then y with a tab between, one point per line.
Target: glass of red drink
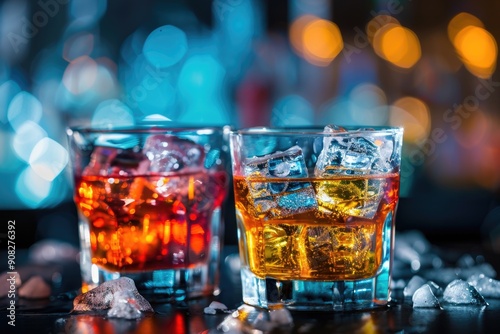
149	201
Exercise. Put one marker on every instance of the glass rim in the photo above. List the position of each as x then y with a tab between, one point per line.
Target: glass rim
316	130
154	128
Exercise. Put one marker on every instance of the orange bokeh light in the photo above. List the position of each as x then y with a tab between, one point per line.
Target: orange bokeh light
317	40
398	45
414	116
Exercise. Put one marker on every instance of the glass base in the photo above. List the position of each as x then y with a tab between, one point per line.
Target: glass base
300	295
161	286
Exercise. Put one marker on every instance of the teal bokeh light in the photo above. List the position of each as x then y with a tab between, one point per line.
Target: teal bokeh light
292	110
24	107
165	46
112	113
26	138
8	90
31	189
200	77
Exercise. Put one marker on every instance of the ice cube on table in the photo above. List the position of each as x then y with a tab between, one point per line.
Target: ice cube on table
435	288
459	292
424	297
279	198
466	261
102	296
486	286
413	284
124	306
215	307
483	268
169	153
281	317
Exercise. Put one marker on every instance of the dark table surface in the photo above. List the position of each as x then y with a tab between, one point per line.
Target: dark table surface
54	315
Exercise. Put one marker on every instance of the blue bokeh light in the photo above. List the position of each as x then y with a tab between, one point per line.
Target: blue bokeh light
9	160
26	138
112	113
368	105
336	111
80	44
200	77
48	159
131	47
292	110
31	188
87	12
200	86
211	111
24	107
165	46
159	96
8	90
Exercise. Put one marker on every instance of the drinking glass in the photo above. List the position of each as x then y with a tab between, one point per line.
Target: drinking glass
149	200
315	213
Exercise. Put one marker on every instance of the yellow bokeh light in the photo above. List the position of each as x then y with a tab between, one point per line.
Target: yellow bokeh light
398	45
413	115
377	23
478	50
459	22
317	40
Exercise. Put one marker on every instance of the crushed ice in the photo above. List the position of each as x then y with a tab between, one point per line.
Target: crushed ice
437	284
119	296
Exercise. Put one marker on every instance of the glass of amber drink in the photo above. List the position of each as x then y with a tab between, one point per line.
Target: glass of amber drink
149	201
315	215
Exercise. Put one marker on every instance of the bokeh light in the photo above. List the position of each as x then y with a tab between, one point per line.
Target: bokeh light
460	21
337	111
48	159
296	31
398	45
368	105
378	22
87	12
112	113
8	90
31	188
26	138
160	96
9	160
317	40
474	129
322	42
81	44
200	76
80	75
24	107
165	46
478	50
200	87
292	110
414	116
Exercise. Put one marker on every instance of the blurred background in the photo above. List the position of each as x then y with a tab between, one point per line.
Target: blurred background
429	66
